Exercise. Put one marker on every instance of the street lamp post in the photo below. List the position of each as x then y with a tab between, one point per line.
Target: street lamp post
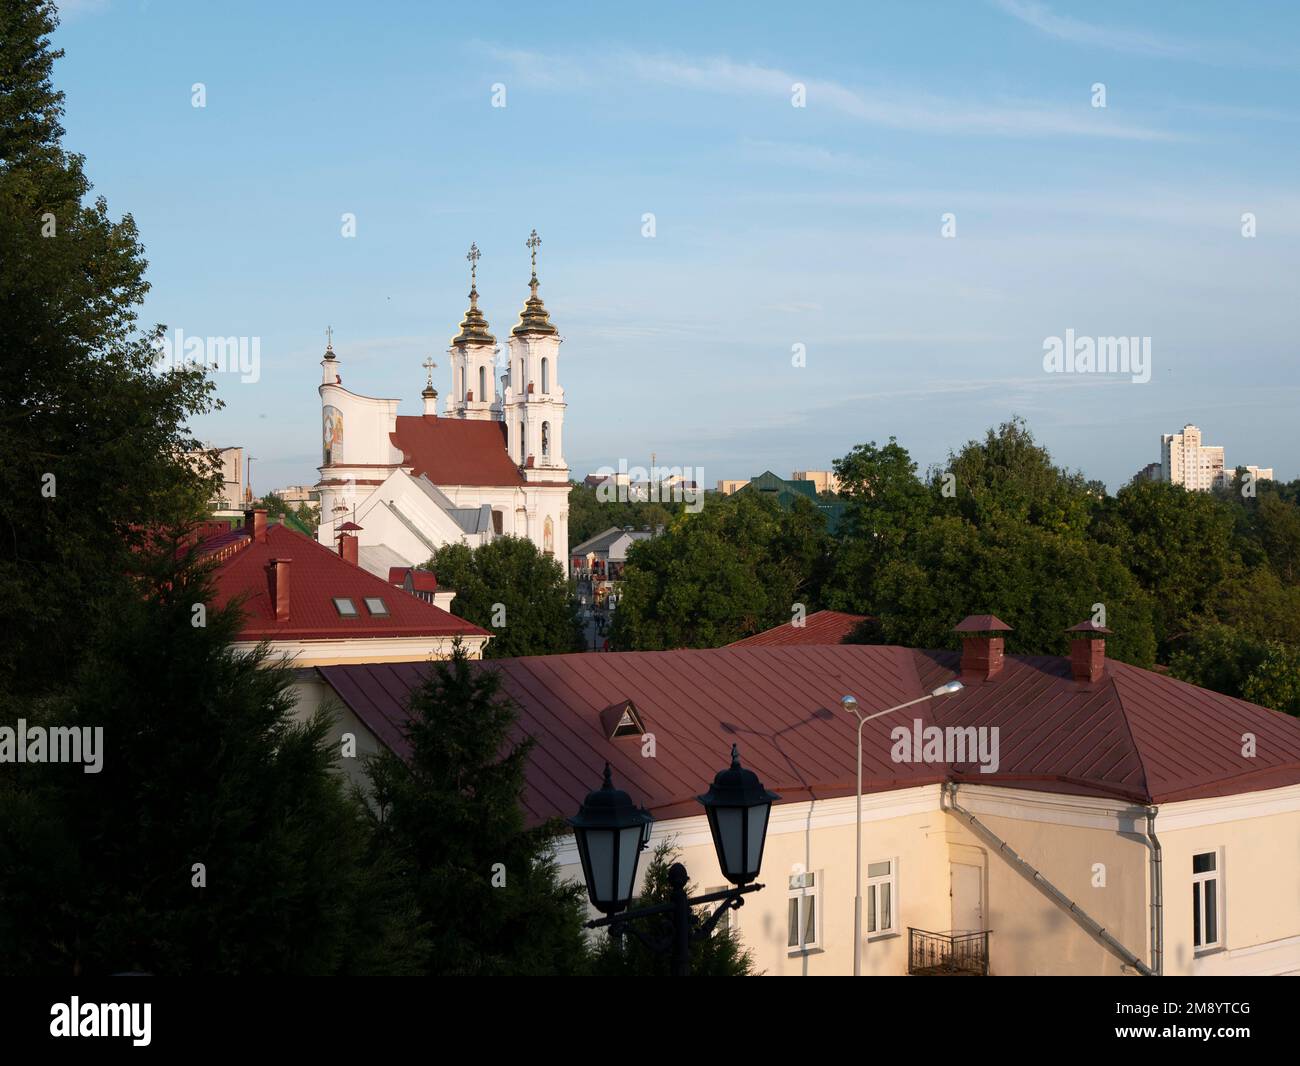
611	833
850	704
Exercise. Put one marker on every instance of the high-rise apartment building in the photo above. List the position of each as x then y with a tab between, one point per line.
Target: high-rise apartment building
1185	461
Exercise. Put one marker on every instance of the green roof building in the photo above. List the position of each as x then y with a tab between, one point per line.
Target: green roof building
785	492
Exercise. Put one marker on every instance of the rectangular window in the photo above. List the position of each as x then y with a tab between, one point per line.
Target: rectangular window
345	607
1206	900
881	900
804	914
376	606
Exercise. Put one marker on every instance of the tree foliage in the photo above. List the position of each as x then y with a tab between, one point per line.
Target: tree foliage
515	592
89	431
485	886
738	566
203	763
722	954
589	516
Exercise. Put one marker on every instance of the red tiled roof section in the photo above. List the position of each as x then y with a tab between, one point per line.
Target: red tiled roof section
1135	737
820	627
316	576
456	451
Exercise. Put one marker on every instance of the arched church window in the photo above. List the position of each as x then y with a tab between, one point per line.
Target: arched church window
523	448
482	383
546	376
546	436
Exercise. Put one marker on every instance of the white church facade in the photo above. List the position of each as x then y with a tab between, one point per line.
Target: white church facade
492	464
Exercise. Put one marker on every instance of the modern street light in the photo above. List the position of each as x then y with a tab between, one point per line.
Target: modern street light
611	833
850	704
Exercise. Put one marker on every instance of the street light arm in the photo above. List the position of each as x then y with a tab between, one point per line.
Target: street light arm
891	710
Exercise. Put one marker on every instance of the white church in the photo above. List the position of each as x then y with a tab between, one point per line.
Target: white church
492	464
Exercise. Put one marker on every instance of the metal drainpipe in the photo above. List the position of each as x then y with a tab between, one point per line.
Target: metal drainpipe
1157	896
1050	890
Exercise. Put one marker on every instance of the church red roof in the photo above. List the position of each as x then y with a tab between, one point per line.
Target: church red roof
1137	737
820	627
456	451
316	576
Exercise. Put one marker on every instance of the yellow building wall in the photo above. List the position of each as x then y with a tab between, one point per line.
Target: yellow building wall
1260	884
1031	934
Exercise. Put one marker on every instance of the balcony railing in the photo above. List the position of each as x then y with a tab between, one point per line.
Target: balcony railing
947	954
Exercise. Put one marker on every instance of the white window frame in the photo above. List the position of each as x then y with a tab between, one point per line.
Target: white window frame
1215	875
871	890
798	889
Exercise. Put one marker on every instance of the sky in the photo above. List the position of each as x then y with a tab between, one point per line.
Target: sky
867	219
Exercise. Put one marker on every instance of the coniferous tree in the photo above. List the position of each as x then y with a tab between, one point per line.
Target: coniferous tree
483	880
722	954
215	837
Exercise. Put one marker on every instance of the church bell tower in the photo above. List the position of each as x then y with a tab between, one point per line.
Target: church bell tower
473	356
534	400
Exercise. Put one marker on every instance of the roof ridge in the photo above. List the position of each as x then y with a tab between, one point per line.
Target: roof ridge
1128	727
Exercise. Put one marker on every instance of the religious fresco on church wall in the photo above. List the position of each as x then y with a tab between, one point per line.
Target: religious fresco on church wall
548	536
333	442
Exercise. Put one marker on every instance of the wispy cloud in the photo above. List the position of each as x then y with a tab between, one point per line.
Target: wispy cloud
1066	28
1137	42
912	110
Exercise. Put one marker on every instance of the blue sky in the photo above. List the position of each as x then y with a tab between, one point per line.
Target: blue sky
775	225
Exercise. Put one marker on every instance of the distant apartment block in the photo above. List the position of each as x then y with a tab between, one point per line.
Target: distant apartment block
230	461
299	494
733	485
1259	473
1186	461
1150	472
824	481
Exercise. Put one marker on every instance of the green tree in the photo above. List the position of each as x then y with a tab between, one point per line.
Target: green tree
997	528
485	885
1277	527
515	592
1178	544
722	954
1218	657
887	505
90	432
202	763
1275	682
737	567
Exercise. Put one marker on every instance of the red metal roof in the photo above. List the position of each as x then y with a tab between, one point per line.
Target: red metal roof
456	451
820	627
981	623
1135	736
316	576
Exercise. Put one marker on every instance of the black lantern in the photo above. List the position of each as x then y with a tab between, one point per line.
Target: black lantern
610	832
738	807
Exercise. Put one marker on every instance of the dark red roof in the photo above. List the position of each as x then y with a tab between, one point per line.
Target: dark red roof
1135	736
820	627
981	623
456	451
316	576
423	580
